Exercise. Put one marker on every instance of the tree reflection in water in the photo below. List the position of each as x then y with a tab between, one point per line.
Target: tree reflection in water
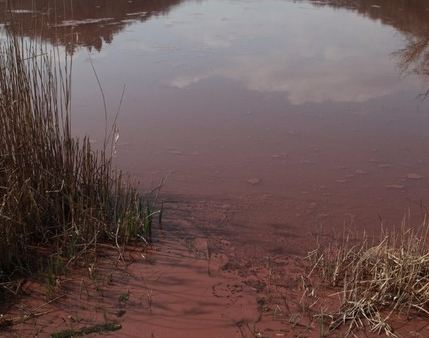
410	17
76	23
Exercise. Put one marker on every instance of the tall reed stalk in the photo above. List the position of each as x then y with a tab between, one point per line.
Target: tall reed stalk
56	193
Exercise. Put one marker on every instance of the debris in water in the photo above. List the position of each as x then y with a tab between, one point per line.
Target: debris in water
279	155
175	152
254	181
137	13
414	176
361	172
23	11
312	205
73	23
394	186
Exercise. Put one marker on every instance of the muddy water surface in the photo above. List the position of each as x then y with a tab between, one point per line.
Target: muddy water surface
296	115
314	102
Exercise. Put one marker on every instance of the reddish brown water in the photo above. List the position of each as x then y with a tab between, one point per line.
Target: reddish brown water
296	114
314	102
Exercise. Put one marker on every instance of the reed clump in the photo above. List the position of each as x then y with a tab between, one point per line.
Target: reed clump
57	195
377	280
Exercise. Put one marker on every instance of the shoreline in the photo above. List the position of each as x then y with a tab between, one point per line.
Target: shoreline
197	279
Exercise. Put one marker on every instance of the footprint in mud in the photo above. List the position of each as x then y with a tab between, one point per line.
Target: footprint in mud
255	284
218	262
229	291
201	244
199	247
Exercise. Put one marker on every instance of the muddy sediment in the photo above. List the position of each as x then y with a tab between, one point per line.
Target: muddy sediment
201	277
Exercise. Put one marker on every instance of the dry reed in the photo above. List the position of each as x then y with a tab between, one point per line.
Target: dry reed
377	280
57	195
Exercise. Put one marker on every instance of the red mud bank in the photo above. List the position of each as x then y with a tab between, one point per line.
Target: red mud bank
218	268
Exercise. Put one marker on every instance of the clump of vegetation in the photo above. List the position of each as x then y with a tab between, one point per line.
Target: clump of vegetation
99	328
58	196
377	280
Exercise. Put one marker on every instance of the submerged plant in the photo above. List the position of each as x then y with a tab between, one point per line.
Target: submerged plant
57	194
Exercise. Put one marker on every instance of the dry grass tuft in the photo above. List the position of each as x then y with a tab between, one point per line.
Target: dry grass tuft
377	280
57	195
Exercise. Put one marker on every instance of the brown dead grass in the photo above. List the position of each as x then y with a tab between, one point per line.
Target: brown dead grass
376	279
58	197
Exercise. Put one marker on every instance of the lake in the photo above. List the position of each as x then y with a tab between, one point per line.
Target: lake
319	104
268	123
